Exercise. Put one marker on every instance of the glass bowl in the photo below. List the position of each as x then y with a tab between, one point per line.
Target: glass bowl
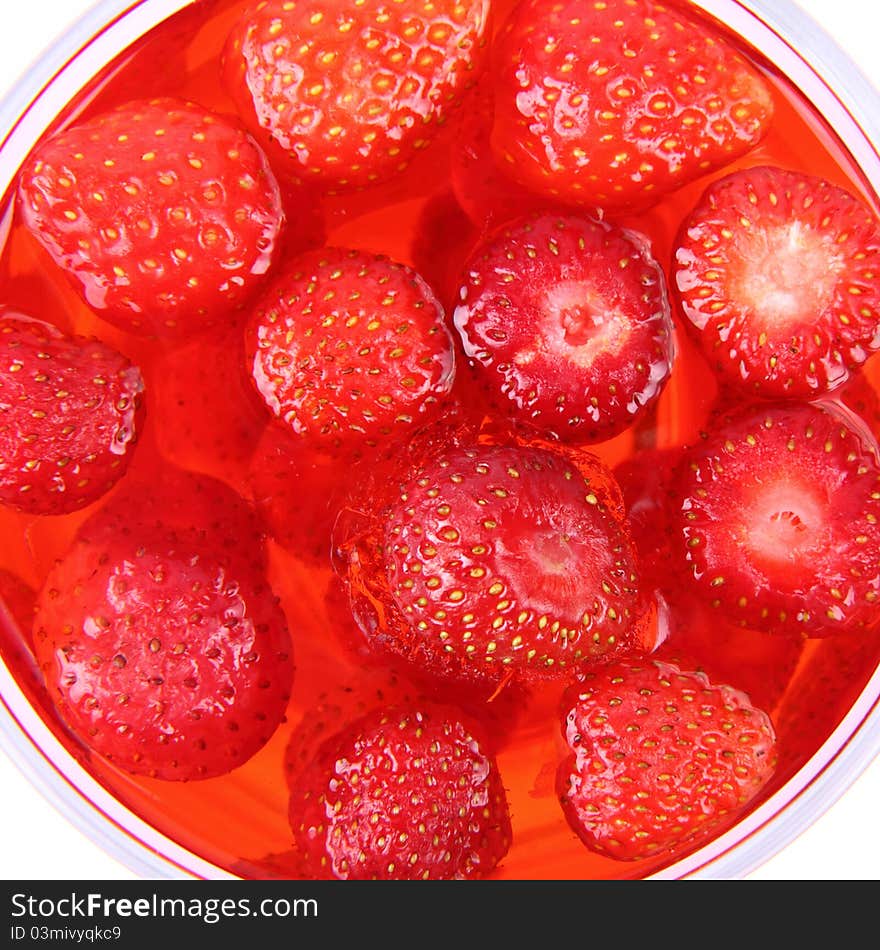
786	38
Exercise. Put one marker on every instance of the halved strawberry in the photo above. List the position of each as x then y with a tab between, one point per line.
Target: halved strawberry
567	319
164	654
487	561
780	520
163	215
660	758
407	793
693	636
617	103
70	414
350	93
349	350
776	272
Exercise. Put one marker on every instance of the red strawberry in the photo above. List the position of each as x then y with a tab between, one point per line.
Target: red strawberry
405	793
617	103
349	350
164	215
375	690
694	636
489	560
210	416
167	658
17	601
659	759
17	606
647	482
780	520
350	93
69	417
444	238
776	273
184	507
827	686
297	493
569	321
488	197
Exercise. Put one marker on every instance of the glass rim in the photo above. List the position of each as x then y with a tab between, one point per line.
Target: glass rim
835	86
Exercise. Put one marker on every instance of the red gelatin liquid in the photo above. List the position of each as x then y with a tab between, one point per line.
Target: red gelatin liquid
239	822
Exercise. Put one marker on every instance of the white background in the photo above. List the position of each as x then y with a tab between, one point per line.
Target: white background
37	842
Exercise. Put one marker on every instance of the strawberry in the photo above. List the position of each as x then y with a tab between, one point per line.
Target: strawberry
163	654
828	684
617	103
162	214
779	520
694	636
349	94
406	793
186	508
349	350
17	600
297	493
373	691
659	758
444	238
488	561
211	418
775	272
17	605
568	321
69	417
488	197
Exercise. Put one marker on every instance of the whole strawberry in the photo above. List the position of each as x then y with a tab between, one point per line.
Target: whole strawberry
659	758
776	274
350	93
567	322
406	793
484	561
164	652
349	350
617	103
162	214
70	414
777	520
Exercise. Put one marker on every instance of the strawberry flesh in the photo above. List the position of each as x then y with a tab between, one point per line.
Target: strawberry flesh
568	322
617	103
406	793
778	521
163	215
776	274
70	414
